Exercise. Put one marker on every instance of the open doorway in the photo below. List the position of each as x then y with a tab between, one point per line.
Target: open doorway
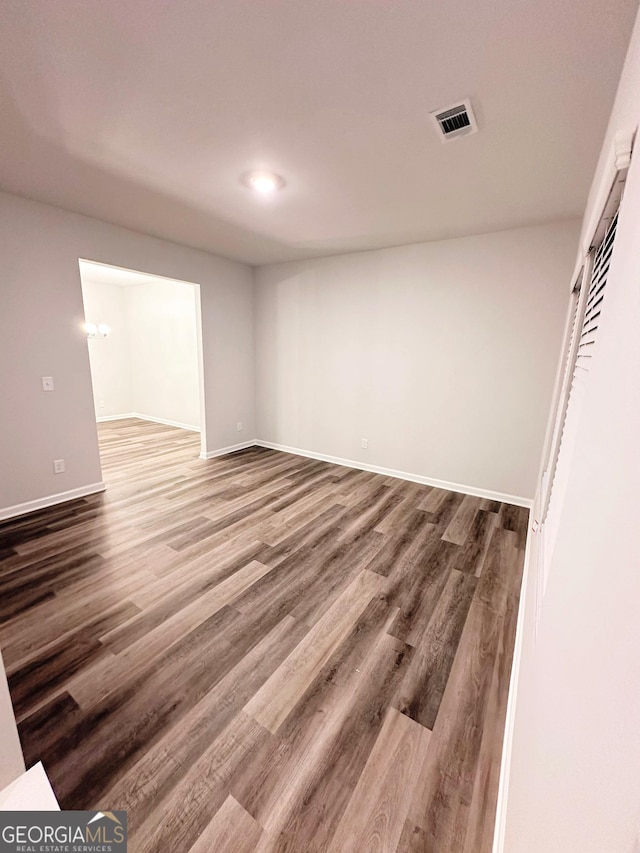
145	351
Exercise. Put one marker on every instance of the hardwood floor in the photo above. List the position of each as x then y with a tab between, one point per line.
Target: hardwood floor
263	652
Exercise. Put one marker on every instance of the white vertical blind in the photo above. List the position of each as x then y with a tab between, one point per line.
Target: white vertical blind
576	311
595	297
580	353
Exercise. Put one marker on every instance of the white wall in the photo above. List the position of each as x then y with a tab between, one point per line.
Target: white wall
575	769
41	334
110	357
148	365
163	349
441	354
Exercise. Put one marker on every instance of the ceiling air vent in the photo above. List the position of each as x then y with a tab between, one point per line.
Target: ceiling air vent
455	121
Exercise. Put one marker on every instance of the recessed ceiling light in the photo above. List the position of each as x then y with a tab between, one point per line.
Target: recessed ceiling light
264	183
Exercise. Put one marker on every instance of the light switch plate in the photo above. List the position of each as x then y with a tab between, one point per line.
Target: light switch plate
47	383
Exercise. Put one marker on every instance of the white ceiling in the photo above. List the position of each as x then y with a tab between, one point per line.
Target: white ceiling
145	113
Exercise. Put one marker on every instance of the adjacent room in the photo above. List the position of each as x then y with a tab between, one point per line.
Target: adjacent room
318	456
145	353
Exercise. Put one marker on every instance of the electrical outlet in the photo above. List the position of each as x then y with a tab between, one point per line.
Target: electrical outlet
364	443
101	404
239	425
47	383
58	466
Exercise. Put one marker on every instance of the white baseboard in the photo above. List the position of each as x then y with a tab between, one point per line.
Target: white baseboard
503	497
154	420
530	565
211	454
402	475
50	500
107	418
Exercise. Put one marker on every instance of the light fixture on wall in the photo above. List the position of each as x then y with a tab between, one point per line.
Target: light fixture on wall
99	330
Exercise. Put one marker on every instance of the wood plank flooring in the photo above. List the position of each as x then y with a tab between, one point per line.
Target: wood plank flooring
263	652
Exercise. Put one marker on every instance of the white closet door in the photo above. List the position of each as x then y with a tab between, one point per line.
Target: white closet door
581	353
